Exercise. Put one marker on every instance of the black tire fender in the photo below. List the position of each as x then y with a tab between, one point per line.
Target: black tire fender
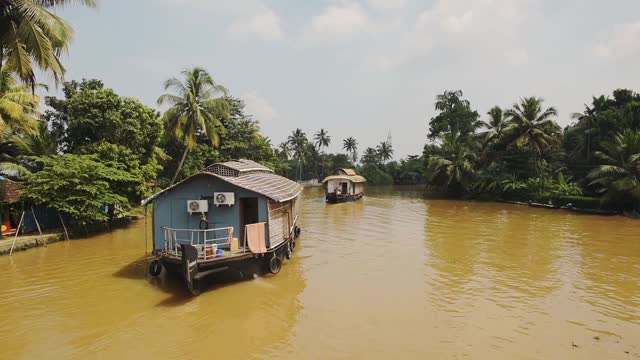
288	252
155	268
275	265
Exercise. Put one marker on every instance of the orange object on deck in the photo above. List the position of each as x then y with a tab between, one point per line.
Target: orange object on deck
256	237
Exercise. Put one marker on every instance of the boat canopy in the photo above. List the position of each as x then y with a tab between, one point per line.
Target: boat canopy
248	175
352	178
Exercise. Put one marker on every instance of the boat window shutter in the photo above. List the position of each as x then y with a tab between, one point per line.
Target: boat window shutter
278	222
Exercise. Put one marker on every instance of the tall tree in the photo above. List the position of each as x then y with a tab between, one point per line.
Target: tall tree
454	166
619	173
322	139
455	117
351	146
385	151
496	124
298	142
18	108
450	99
532	126
32	35
198	107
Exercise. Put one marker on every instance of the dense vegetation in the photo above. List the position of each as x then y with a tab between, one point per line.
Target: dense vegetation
521	153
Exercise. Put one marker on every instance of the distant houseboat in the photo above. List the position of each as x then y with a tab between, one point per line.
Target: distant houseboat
344	186
233	216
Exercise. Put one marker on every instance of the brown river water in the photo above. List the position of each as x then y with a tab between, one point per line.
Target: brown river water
390	276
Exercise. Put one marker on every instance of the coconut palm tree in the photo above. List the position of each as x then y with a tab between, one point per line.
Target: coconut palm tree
284	151
198	107
18	108
370	156
449	99
531	126
322	139
455	165
298	145
32	35
496	124
385	151
620	173
37	143
588	126
351	145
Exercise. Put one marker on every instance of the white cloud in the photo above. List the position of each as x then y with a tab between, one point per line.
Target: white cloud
457	24
259	107
386	4
481	27
337	22
622	41
264	26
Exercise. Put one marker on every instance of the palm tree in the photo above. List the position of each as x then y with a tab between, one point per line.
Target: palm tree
620	173
284	151
351	145
198	108
298	144
449	99
323	140
455	165
531	126
18	108
370	156
30	34
588	125
496	124
385	151
38	143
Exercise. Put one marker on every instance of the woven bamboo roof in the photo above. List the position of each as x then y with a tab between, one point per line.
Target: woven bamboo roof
248	175
352	178
349	172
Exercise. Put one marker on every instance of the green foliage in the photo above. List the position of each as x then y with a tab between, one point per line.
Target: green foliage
456	116
241	138
619	173
31	35
198	107
122	132
375	175
79	185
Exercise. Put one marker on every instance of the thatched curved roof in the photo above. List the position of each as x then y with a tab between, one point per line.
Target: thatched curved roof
352	178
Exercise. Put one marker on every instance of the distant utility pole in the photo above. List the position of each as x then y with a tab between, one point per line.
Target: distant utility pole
389	137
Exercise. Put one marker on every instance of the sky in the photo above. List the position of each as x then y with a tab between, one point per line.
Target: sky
363	68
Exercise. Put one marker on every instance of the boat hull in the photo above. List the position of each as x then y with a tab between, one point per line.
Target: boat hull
332	198
198	275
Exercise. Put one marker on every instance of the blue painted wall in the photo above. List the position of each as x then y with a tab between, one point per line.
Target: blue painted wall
170	208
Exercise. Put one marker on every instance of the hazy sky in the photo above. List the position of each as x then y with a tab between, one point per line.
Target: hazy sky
363	68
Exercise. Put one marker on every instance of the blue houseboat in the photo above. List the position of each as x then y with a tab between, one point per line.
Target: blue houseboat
233	216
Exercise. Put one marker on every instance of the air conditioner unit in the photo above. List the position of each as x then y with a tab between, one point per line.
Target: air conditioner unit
197	206
224	198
